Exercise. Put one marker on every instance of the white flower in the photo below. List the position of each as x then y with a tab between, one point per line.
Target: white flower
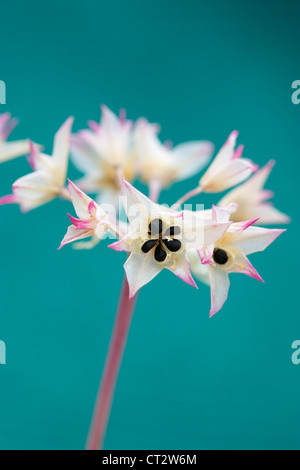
164	164
49	176
159	238
228	168
104	154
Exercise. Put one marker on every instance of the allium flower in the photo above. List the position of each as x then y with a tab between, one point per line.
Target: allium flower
49	176
229	255
93	221
10	150
251	200
164	164
104	154
228	168
159	238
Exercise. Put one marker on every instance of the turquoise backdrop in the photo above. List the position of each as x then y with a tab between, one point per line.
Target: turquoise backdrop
201	69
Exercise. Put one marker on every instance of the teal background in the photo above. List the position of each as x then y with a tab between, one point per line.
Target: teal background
201	69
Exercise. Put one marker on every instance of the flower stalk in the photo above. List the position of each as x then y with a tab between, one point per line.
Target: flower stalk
111	369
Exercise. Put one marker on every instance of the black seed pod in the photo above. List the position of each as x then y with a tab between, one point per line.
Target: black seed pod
173	231
156	227
220	256
160	254
173	245
148	245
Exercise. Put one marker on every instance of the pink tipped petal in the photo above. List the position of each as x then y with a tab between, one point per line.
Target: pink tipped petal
241	226
238	152
121	245
243	266
80	201
255	239
220	215
94	126
10	199
140	270
82	224
73	235
182	269
92	208
269	215
219	285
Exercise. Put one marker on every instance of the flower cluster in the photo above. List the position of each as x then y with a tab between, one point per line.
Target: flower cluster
112	155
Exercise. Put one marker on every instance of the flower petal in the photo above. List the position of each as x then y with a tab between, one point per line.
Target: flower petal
243	266
181	267
80	200
255	239
140	270
137	206
61	149
191	157
73	235
199	270
219	285
10	150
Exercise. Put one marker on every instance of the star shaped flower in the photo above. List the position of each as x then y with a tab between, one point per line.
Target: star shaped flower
92	220
159	238
229	255
47	180
104	154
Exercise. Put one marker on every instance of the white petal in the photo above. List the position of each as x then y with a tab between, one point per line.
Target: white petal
34	190
255	239
191	157
10	150
140	270
61	149
201	271
219	285
227	176
80	201
250	190
73	235
84	158
138	207
181	268
199	230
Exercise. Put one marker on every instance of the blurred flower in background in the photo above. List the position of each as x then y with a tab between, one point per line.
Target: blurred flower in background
10	150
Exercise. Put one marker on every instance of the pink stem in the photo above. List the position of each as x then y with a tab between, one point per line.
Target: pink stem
187	196
111	370
114	359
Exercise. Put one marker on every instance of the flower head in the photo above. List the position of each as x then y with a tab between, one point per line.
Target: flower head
229	255
159	238
92	220
10	150
164	164
104	154
228	168
47	180
251	200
